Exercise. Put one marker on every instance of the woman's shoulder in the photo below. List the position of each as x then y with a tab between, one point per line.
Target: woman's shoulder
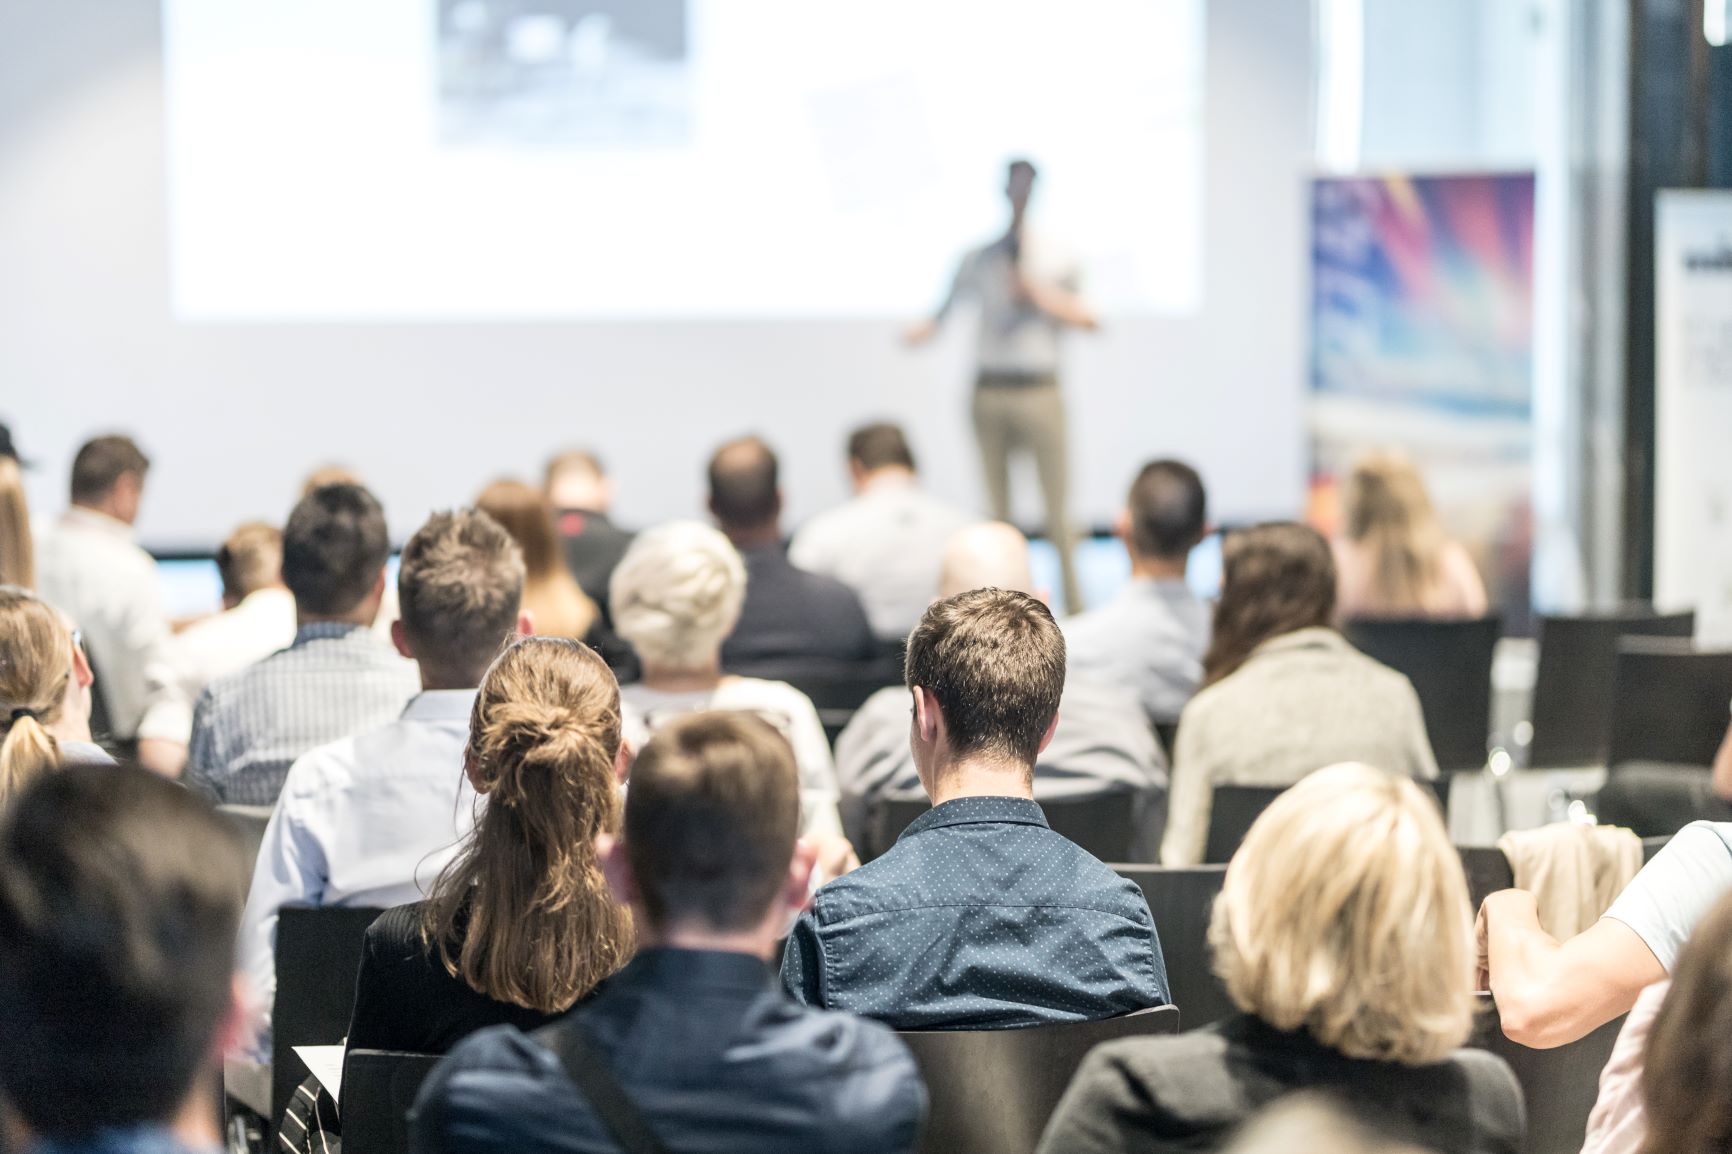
397	931
760	693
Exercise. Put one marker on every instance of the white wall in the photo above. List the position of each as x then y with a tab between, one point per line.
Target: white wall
236	414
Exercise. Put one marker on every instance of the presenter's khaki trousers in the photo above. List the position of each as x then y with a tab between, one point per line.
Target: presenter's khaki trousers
1028	417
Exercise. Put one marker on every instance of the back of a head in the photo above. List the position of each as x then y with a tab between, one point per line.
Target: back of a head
1687	1065
880	446
101	463
459	590
676	594
17	552
251	559
991	554
1390	515
527	515
576	479
1168	509
37	648
1345	913
711	820
1276	578
994	660
744	485
335	545
523	914
120	901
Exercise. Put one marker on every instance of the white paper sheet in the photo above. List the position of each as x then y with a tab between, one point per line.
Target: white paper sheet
326	1064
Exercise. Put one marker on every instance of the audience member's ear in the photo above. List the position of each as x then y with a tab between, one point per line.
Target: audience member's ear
82	675
400	638
797	894
1122	526
525	623
927	719
622	761
1052	728
616	868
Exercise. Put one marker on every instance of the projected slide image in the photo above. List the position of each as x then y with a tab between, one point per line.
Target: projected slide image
556	72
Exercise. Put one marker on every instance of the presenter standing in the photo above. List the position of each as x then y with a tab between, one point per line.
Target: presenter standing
1027	295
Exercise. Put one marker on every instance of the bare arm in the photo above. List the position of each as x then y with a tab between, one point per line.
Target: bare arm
961	284
1550	993
1723	767
1060	303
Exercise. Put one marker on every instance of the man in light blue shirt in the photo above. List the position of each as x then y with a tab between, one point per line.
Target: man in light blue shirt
1152	636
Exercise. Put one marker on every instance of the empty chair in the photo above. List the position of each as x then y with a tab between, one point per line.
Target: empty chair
1449	664
318	956
1558	1085
1668	703
1572	702
379	1086
1101	823
1181	900
992	1091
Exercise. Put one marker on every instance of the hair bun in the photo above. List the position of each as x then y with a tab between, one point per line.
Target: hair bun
520	735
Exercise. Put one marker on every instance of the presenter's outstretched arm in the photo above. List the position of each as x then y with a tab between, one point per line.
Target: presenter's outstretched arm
1060	303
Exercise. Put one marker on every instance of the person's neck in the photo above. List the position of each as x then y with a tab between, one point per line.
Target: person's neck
1159	568
70	727
887	475
755	536
103	510
758	942
437	682
362	615
982	777
694	679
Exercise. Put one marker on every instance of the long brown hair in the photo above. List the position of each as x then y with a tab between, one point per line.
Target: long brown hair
1390	516
551	594
17	556
1687	1066
523	914
38	649
1276	578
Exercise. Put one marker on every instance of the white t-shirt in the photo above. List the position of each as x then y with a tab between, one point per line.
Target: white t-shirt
1676	890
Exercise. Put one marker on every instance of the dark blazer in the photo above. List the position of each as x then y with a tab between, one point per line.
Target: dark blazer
1190	1093
792	617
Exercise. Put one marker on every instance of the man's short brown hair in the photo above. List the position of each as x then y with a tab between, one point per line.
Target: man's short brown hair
993	659
251	559
711	819
101	463
880	446
460	588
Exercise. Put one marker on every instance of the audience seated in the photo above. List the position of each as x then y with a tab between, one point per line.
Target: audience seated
790	617
1395	560
1151	637
676	597
1101	742
119	901
257	619
980	916
17	551
44	692
1343	934
336	678
370	820
88	566
1550	993
689	1041
551	596
581	494
886	543
1284	694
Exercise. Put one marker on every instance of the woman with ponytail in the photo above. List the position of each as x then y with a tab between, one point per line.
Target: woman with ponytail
44	692
520	926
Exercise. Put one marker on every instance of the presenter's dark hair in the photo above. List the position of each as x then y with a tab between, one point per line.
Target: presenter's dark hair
1277	578
120	900
879	446
334	548
1023	165
994	661
1169	510
101	463
744	484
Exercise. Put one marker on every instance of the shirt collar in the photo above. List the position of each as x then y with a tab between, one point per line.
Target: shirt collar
978	810
440	705
665	966
1316	637
326	630
81	517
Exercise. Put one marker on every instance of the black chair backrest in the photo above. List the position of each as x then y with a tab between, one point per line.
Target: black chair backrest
837	689
992	1091
1181	900
1104	824
1572	705
1235	807
379	1086
318	957
1668	703
1559	1085
249	821
1449	663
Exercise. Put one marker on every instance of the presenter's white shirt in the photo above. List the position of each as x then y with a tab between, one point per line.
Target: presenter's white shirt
261	624
1014	338
366	821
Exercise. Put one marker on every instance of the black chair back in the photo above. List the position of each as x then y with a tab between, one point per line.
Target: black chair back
1104	824
837	689
318	958
1181	900
1668	703
1559	1085
249	821
1449	663
1572	704
992	1091
1232	809
379	1086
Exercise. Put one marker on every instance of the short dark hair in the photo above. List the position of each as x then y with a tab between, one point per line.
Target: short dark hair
120	901
459	590
879	446
1021	164
744	484
1169	510
711	819
101	463
994	661
250	559
334	547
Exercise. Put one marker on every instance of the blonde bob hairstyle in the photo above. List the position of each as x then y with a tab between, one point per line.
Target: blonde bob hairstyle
676	595
1345	913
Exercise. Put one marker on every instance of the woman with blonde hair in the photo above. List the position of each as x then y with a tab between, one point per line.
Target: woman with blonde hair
17	554
1344	936
1395	560
44	692
551	595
